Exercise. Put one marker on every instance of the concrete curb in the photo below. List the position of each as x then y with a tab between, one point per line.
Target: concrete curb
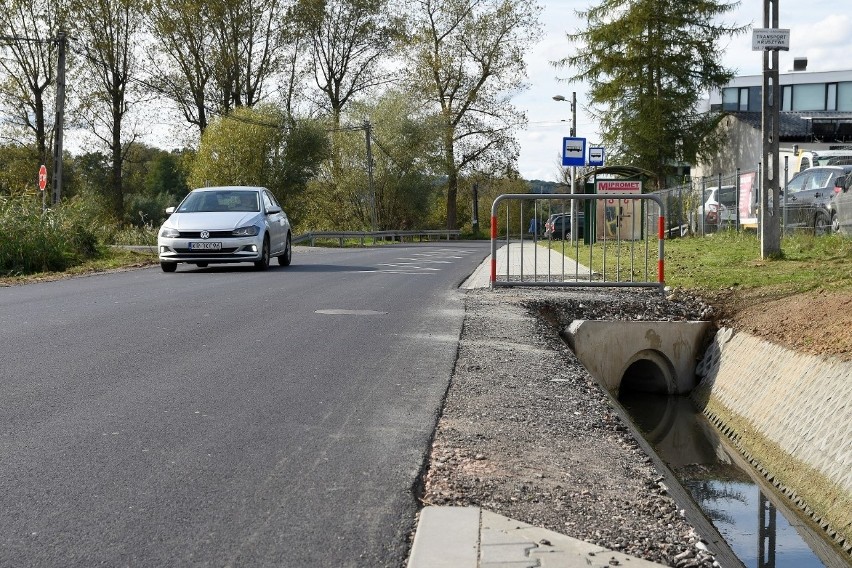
471	537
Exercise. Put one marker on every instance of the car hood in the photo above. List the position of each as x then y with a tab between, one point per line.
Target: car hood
219	221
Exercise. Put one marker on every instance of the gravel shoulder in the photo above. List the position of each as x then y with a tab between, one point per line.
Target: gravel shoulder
527	433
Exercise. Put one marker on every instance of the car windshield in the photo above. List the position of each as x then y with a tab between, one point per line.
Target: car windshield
819	179
220	201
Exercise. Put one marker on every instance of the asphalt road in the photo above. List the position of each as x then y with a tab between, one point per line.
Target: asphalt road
223	416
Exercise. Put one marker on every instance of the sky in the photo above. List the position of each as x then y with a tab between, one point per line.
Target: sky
819	30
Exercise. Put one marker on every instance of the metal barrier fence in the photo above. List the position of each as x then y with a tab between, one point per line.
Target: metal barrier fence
617	233
708	204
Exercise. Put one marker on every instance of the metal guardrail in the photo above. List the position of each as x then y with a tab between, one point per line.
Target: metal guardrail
342	236
617	225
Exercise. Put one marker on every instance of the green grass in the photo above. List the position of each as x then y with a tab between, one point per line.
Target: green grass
731	260
109	258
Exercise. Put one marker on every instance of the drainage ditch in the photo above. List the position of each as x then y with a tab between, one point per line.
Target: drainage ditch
651	365
755	523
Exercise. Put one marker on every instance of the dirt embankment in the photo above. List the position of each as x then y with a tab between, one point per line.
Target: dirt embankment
817	322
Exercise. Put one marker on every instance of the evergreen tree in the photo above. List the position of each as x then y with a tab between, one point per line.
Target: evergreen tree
648	63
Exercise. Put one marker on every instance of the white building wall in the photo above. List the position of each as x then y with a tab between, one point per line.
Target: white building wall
741	148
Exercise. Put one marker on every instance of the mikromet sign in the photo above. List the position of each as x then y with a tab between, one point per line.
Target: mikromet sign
618	186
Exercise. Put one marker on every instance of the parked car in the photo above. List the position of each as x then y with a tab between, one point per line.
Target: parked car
840	207
805	200
717	210
558	225
223	225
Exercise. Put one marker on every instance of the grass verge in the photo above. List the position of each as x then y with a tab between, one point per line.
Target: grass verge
731	261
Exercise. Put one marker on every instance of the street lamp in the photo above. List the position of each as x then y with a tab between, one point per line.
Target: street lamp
573	133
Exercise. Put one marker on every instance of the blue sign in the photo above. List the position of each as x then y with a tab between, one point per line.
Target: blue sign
573	151
596	156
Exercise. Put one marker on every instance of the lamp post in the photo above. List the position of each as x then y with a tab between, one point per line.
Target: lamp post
573	170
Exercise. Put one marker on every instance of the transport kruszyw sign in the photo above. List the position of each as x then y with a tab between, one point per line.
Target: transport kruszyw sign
763	39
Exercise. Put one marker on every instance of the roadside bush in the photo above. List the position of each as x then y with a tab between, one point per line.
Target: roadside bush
144	210
33	241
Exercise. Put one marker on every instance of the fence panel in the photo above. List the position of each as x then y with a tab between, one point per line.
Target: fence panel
707	205
615	241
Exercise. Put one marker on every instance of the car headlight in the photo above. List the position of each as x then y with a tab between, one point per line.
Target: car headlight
249	231
170	233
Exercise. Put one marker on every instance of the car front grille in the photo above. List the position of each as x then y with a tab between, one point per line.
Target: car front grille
213	234
227	250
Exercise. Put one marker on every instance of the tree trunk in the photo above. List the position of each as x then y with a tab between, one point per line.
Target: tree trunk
452	179
115	176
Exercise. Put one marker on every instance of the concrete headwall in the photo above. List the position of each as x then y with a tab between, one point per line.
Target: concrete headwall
791	416
608	348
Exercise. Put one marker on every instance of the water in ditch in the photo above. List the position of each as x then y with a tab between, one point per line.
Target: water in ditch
761	535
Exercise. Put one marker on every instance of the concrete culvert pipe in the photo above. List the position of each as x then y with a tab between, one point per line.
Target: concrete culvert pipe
649	371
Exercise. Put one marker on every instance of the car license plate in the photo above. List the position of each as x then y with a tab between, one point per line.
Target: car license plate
205	246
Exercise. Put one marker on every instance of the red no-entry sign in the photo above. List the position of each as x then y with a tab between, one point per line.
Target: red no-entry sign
42	177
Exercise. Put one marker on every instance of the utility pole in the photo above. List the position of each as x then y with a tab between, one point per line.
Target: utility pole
59	126
367	132
475	220
770	230
573	169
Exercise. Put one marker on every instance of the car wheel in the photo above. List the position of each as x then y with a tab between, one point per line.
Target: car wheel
263	263
201	264
168	266
287	256
822	224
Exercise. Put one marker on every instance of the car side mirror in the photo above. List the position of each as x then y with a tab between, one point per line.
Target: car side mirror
273	210
170	210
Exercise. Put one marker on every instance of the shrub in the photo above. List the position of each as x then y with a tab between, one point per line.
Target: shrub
32	240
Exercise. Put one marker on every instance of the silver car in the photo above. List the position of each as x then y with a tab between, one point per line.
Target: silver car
841	206
223	225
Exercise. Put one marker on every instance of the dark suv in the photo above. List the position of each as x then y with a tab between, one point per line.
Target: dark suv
806	198
558	225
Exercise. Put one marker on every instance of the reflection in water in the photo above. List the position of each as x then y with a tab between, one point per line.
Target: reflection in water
725	493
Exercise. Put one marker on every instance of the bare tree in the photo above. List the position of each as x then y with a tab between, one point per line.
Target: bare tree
248	37
467	62
29	30
182	55
213	57
349	41
107	32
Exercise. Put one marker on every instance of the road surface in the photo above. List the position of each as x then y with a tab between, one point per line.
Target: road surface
225	416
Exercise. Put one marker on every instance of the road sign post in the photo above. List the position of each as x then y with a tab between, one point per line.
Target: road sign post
596	156
42	183
573	151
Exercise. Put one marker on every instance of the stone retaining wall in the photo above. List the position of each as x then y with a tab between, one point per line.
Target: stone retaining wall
791	416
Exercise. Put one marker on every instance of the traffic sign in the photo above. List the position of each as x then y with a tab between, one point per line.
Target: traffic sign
573	151
764	39
42	177
596	156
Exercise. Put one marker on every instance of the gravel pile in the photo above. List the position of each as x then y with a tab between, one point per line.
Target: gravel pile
527	433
